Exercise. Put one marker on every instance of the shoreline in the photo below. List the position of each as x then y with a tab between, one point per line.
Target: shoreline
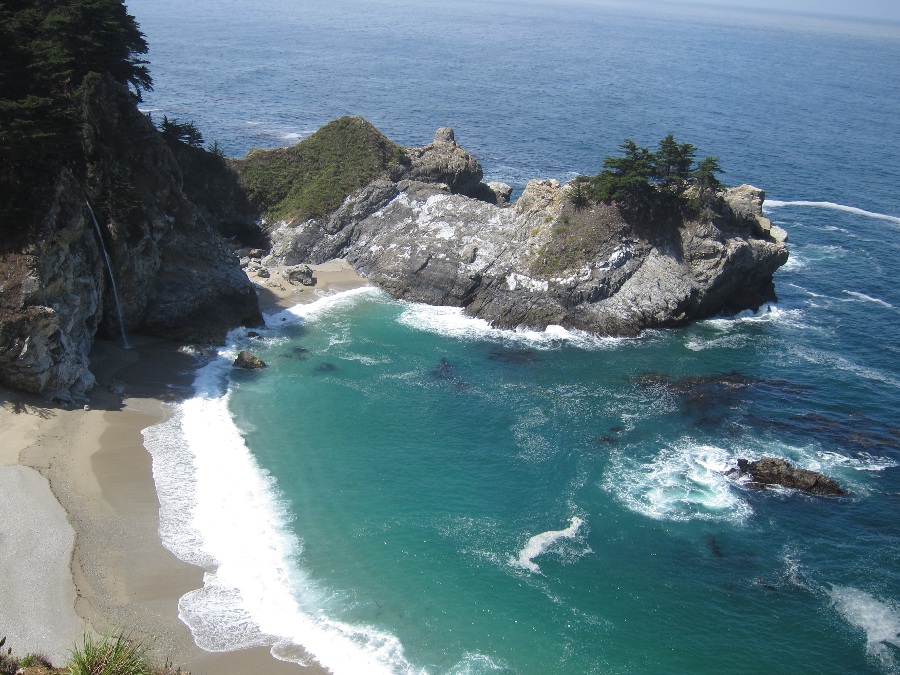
96	468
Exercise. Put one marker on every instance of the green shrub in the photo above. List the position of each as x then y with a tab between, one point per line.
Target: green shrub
312	178
116	654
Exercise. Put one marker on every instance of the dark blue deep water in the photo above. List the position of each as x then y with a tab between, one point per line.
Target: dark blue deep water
419	492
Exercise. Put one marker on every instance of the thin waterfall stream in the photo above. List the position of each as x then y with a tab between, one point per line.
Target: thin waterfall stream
112	279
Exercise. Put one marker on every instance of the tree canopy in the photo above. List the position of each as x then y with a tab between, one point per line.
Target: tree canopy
645	183
47	47
184	132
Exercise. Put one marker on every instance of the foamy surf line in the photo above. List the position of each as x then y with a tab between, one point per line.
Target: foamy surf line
333	302
685	481
774	204
453	322
221	510
869	298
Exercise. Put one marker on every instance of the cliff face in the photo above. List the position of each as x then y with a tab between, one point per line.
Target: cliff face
542	261
426	229
175	276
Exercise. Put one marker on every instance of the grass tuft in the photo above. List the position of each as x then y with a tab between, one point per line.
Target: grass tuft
116	654
31	660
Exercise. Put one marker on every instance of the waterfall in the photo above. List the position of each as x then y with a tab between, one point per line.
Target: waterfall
112	279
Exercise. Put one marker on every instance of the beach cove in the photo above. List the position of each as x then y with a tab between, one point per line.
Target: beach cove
80	514
413	489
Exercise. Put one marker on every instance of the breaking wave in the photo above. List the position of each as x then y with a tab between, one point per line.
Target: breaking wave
453	322
255	594
685	481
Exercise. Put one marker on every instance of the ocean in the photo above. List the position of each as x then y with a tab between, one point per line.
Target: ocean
406	489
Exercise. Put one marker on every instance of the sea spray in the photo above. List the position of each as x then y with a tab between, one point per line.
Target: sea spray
682	482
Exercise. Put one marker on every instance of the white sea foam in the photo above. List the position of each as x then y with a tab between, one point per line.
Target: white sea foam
879	620
685	481
768	313
774	204
735	341
539	543
794	262
453	322
365	360
326	304
869	298
219	509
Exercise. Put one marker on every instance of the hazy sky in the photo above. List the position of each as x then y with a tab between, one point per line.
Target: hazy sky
870	10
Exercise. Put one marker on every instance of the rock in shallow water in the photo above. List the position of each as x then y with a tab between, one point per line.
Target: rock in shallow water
248	361
773	471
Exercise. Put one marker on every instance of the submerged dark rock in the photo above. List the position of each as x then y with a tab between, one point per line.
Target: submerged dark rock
444	370
248	361
514	356
774	471
325	368
852	431
713	545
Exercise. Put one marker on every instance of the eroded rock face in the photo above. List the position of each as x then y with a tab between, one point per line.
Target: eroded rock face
175	276
51	304
511	266
444	161
773	471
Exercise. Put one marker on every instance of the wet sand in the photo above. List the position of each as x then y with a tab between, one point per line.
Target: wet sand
79	516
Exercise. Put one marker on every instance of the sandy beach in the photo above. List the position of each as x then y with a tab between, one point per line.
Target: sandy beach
79	517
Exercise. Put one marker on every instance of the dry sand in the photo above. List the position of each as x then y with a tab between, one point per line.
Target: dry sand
84	475
277	293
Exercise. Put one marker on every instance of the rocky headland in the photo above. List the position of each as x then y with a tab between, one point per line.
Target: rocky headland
418	222
430	231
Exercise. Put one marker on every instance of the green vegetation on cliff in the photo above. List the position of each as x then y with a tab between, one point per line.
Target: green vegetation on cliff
312	178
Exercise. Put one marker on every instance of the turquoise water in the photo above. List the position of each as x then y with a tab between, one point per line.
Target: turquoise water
405	489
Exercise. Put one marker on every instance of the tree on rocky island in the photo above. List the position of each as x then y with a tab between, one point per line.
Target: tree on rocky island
652	186
673	161
627	180
705	174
